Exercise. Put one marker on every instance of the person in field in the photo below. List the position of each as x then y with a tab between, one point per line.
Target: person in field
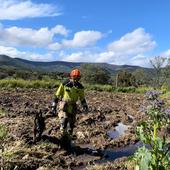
66	96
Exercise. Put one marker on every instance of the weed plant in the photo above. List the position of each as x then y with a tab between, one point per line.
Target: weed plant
157	157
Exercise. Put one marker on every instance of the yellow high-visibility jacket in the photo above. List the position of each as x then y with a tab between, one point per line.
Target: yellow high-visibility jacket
70	92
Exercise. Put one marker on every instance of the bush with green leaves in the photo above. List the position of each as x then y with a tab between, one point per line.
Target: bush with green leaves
157	157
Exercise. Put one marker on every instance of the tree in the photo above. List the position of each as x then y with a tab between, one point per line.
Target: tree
161	68
141	77
125	79
94	74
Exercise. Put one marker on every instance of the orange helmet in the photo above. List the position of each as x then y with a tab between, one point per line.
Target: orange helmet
75	73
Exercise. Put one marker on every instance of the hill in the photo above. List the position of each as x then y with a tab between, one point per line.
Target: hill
55	66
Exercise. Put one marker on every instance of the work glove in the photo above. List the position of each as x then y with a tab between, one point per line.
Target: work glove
85	108
84	105
54	106
53	109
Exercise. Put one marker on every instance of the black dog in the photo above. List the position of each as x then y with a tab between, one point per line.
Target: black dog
39	126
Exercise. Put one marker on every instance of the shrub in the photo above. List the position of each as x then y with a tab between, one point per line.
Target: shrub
94	74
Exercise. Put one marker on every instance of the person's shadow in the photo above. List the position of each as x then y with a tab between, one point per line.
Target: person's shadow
65	144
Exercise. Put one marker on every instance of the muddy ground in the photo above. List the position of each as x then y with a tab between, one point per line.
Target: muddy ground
92	142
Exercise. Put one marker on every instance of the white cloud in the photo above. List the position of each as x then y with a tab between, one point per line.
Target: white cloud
129	49
19	9
12	52
54	46
39	57
42	37
87	56
83	39
105	57
74	57
15	53
140	60
60	29
133	43
166	54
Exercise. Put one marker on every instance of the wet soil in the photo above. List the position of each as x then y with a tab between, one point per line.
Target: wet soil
92	142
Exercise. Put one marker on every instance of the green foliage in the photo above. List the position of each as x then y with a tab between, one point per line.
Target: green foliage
157	157
143	77
13	83
110	88
143	89
125	79
99	87
126	89
94	74
167	95
161	66
143	158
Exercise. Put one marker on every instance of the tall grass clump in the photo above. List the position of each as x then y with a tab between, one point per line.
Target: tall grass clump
157	157
20	83
99	87
110	88
143	89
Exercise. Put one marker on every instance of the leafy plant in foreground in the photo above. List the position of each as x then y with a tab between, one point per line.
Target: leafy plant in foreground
157	156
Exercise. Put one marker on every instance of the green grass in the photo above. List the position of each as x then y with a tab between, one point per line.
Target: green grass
20	83
110	88
51	83
167	95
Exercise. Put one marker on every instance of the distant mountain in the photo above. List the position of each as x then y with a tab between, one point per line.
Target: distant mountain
56	66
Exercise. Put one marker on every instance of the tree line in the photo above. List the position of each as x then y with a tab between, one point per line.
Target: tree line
156	77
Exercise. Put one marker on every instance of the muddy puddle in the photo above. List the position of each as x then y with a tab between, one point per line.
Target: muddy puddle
120	130
109	155
112	154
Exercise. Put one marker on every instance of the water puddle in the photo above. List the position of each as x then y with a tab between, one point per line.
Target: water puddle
112	154
119	130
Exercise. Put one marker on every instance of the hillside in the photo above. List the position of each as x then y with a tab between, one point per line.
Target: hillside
55	66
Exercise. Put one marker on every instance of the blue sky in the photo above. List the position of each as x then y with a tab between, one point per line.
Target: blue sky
112	31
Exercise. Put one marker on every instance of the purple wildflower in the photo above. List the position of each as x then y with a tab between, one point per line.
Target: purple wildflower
167	112
158	104
152	95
